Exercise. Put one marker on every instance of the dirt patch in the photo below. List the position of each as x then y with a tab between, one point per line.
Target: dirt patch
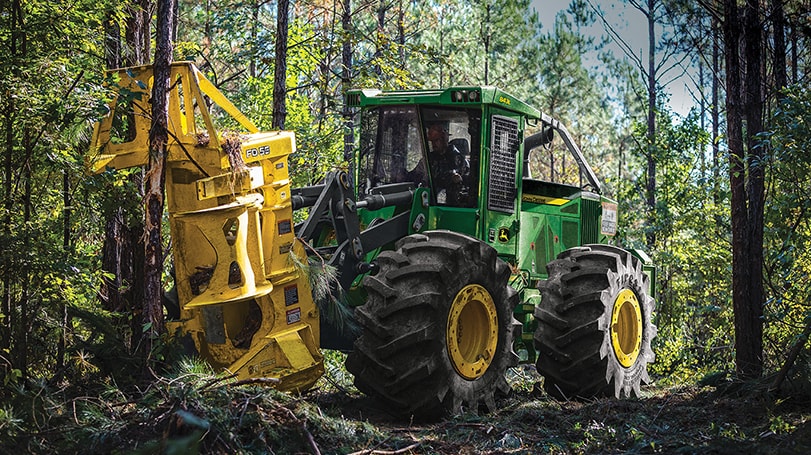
675	420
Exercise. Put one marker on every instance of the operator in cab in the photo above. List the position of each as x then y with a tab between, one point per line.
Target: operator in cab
449	167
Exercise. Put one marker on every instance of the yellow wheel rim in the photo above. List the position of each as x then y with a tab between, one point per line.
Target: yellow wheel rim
472	332
626	327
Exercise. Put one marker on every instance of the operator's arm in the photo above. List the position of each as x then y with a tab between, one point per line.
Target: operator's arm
461	167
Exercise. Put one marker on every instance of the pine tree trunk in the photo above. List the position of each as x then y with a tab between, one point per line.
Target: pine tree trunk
156	171
112	44
61	345
749	358
380	38
748	330
779	22
123	241
10	117
346	77
702	103
716	71
486	39
794	57
650	188
23	306
8	203
23	324
12	311
254	37
280	73
110	256
137	32
401	37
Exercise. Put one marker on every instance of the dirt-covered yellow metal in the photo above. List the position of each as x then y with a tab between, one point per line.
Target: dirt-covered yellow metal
243	302
472	331
626	327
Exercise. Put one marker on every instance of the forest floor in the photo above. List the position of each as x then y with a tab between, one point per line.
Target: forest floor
195	411
730	419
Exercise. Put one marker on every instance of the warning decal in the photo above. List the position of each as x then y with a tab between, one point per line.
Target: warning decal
609	224
290	295
293	316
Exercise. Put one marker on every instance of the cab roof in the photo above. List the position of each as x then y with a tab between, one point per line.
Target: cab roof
463	96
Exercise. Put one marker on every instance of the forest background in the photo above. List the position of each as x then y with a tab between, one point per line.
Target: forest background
718	197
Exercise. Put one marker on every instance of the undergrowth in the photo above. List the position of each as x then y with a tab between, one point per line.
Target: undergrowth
190	409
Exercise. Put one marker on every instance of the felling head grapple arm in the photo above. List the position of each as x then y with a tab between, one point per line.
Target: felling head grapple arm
243	302
130	110
334	211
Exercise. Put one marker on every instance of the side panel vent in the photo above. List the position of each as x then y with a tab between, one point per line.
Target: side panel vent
353	99
591	221
503	151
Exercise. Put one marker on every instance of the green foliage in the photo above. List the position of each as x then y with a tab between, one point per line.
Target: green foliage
51	91
692	254
327	293
311	107
788	227
336	378
188	410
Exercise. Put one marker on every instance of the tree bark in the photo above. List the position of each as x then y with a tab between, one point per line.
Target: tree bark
486	36
650	188
112	44
750	357
14	313
380	38
137	33
747	287
156	171
23	324
254	37
401	37
346	78
123	241
716	71
780	68
61	346
10	118
280	72
794	57
702	103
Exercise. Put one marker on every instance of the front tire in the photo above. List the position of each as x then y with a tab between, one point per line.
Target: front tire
594	324
438	327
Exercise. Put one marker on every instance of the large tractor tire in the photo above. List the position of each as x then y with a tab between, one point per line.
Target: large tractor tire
594	324
437	328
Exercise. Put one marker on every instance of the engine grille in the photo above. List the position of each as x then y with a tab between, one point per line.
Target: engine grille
591	220
503	152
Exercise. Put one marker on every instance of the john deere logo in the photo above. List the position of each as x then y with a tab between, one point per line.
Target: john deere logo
503	235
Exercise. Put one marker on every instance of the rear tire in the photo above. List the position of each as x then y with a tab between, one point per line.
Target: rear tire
437	328
594	324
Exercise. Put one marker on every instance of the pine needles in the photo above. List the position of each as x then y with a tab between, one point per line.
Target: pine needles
191	410
327	293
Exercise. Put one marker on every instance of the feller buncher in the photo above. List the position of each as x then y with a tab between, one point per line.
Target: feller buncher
454	276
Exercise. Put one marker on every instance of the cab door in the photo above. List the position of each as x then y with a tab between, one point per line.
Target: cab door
501	203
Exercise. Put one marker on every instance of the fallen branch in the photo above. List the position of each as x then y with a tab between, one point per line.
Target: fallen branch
387	452
796	348
215	381
303	428
255	381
